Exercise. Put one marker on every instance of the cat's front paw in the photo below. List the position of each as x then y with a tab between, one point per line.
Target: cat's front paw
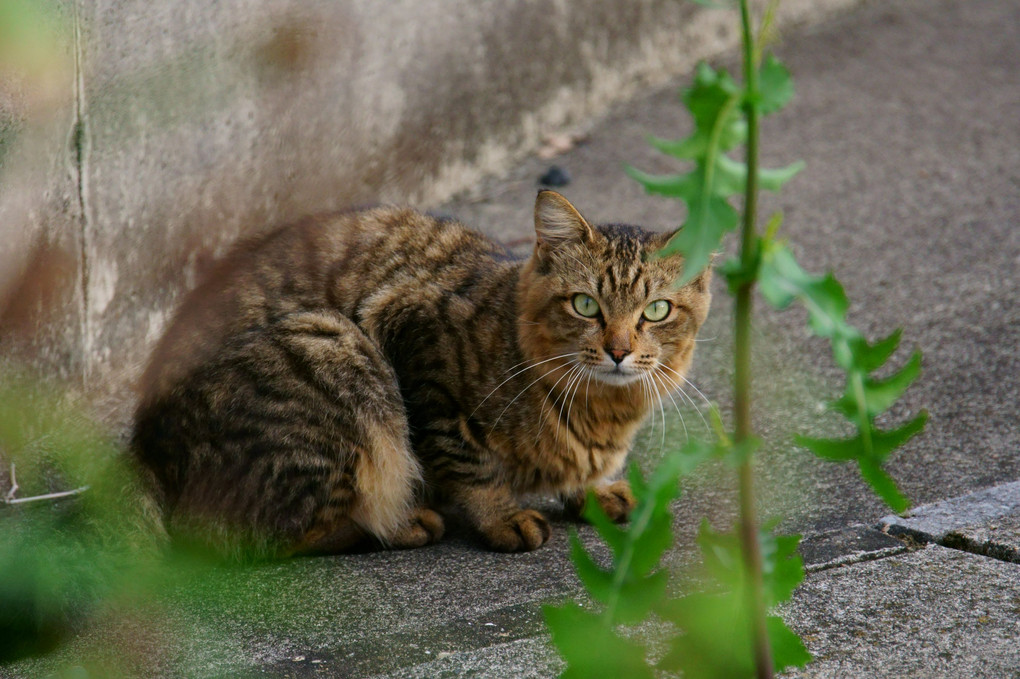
615	499
522	531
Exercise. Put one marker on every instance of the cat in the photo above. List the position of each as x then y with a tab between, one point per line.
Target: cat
336	381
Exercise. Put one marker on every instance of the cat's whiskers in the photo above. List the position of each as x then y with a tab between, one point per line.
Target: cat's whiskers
536	361
572	392
523	321
586	385
662	411
525	368
646	395
662	378
672	386
541	410
530	385
689	383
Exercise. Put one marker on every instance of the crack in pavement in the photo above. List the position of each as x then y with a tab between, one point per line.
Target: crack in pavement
985	523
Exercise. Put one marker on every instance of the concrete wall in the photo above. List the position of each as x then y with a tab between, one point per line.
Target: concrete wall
165	129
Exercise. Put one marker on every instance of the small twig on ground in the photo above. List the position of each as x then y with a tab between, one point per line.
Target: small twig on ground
14	486
11	499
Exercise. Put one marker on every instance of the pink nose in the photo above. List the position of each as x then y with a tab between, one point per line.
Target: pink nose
618	354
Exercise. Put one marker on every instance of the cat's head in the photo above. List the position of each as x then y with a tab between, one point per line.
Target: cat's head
600	295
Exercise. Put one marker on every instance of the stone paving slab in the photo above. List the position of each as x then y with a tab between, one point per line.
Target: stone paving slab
846	546
984	522
999	539
931	613
523	659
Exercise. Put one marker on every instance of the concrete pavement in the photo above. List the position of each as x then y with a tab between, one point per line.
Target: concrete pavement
906	115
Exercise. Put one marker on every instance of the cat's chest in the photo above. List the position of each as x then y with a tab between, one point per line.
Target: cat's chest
561	454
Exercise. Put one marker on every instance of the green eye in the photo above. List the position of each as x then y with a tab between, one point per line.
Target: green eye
585	305
657	310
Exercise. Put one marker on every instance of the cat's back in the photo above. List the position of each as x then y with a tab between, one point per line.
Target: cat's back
353	262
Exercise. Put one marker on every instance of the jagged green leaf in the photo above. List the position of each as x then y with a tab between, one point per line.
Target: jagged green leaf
709	218
787	648
775	85
876	396
652	542
878	448
684	149
716	643
652	520
615	536
782	566
837	450
712	101
671	185
871	357
716	638
639	596
598	582
731	176
883	485
591	648
774	179
782	280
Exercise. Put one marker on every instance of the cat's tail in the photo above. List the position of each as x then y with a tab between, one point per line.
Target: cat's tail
388	480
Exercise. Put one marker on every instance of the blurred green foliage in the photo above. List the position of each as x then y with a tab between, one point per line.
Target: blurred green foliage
710	636
726	629
714	102
782	282
62	558
35	63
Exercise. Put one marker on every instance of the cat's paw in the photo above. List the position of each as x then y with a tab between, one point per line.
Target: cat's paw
616	500
522	531
424	527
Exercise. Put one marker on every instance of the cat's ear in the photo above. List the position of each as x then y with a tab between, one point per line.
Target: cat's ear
558	222
661	239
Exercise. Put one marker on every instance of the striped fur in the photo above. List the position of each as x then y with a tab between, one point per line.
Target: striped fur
339	379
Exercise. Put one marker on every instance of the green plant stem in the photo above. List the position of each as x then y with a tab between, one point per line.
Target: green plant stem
742	361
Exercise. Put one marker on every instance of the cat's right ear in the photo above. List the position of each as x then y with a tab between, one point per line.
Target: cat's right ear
557	222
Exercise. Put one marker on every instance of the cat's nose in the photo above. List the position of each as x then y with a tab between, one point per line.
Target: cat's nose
617	354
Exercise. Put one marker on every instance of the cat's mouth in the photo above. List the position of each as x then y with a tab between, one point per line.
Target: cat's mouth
617	375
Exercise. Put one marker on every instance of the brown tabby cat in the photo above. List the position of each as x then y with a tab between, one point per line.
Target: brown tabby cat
335	378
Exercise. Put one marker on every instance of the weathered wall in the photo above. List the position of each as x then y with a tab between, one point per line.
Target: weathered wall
179	125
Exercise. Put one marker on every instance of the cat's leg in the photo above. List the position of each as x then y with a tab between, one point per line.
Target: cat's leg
615	498
423	527
375	496
494	511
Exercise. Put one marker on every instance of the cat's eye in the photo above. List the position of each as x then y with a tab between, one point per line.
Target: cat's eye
585	305
657	310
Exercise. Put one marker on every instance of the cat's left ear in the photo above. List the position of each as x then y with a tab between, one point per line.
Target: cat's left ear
557	221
